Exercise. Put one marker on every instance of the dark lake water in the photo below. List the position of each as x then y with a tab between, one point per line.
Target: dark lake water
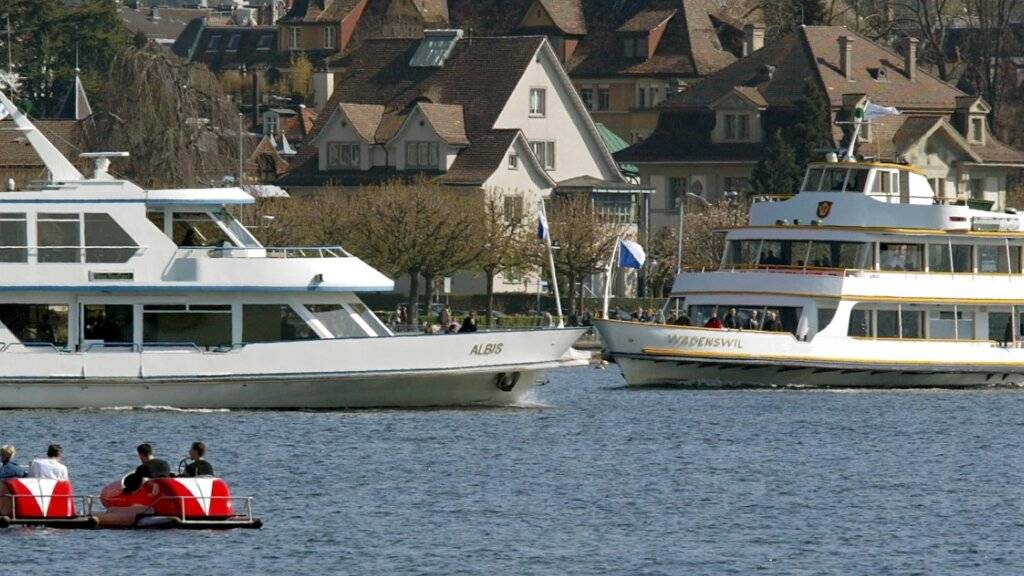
587	478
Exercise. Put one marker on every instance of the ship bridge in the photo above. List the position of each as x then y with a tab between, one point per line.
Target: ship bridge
876	195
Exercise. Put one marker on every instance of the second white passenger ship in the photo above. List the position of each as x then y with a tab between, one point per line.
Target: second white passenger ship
873	281
111	295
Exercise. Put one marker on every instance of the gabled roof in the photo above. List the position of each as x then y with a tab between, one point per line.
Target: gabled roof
365	118
166	28
647	20
320	10
378	90
197	45
447	120
748	93
688	46
477	163
567	15
813	52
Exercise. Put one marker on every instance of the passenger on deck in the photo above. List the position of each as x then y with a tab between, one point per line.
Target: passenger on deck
773	324
683	319
49	467
150	468
714	322
198	466
9	469
752	323
469	323
732	320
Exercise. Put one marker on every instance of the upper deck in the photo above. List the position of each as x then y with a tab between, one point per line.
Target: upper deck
104	234
876	195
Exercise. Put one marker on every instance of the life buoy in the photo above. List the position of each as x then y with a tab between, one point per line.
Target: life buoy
505	382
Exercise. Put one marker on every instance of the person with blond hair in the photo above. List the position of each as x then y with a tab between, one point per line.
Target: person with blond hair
9	468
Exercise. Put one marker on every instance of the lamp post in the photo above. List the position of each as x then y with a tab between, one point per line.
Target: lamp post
728	194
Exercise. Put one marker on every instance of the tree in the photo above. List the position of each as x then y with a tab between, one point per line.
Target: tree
300	77
506	240
777	172
173	117
990	71
415	229
813	130
585	240
49	37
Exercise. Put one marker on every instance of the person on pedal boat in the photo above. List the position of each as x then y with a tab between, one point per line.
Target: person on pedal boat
198	466
8	468
150	468
51	466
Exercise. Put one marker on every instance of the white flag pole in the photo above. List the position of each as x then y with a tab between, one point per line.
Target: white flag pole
551	262
608	276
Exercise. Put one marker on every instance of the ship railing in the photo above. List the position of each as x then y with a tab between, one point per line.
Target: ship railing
283	252
83	506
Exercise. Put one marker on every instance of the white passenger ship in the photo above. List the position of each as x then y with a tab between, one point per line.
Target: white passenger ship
111	295
877	282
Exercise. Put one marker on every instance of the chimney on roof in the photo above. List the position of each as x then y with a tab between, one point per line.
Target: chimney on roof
846	57
323	88
910	58
753	39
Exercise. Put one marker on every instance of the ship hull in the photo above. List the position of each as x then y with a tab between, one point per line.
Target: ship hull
482	369
659	355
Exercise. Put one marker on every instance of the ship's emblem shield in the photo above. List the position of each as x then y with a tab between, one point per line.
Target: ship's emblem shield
824	209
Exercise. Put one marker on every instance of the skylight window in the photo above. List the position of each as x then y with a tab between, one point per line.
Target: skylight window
266	41
435	48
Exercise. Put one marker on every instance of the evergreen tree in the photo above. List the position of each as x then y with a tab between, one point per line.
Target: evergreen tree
777	172
813	129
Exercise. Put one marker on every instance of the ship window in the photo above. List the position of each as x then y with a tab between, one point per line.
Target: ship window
834	179
912	323
108	323
197	229
742	253
993	259
104	239
180	324
886	183
37	323
813	181
1000	327
336	319
909	257
887	324
59	237
950	324
13	237
273	323
784	252
857	181
860	322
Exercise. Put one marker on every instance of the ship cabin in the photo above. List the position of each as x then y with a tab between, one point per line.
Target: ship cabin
101	265
868	250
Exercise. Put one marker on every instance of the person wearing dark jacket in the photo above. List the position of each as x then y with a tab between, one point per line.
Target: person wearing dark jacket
198	466
150	468
732	320
469	324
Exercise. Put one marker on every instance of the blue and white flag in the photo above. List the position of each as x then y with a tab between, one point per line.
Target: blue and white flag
542	226
631	254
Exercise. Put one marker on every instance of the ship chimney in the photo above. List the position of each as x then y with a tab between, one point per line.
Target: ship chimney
910	58
753	39
846	57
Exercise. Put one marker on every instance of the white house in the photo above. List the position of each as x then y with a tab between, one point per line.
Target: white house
497	114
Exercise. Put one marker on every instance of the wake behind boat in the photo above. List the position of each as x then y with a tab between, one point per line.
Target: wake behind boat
868	278
111	295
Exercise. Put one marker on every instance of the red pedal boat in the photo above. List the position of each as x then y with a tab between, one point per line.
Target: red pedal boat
43	502
202	502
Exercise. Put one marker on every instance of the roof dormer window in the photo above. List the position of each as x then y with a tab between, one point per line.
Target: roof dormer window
635	47
977	130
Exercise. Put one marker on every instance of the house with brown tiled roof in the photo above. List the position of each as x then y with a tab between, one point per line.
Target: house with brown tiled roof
623	73
319	28
710	137
496	114
20	163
